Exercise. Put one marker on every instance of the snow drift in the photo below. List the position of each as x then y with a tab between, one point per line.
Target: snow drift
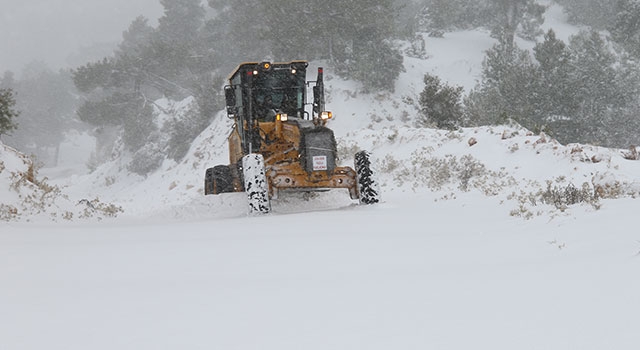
25	197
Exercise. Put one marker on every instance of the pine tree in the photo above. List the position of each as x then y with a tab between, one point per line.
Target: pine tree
305	35
368	55
598	14
47	103
441	14
594	78
175	54
594	74
624	122
625	28
446	15
515	17
440	104
94	75
506	89
181	21
237	32
136	38
555	93
7	111
177	59
353	35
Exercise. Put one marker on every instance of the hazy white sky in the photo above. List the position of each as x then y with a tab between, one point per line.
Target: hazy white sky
54	30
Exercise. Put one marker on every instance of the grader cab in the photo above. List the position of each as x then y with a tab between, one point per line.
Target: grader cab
277	145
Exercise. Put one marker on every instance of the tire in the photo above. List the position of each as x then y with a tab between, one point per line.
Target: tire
218	180
368	187
255	184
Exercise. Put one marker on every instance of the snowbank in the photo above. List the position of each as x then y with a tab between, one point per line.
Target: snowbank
510	163
24	197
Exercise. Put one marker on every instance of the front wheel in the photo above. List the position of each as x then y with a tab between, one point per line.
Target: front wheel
367	183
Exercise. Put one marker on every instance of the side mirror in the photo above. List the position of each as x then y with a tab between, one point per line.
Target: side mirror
318	94
317	99
230	98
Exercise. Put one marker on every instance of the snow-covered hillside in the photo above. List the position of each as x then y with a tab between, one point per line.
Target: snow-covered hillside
486	238
25	196
507	162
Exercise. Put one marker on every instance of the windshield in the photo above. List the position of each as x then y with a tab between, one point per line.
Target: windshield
280	89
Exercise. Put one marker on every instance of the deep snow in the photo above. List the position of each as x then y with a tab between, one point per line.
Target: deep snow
409	273
460	254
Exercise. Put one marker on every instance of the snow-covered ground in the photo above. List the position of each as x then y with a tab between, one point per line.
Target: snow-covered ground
411	273
466	250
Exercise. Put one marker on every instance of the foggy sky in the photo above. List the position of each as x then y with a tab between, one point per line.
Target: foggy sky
55	31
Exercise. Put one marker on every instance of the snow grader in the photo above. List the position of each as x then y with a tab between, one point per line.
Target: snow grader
277	145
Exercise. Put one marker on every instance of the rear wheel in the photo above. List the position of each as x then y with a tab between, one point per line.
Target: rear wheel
255	184
367	183
218	180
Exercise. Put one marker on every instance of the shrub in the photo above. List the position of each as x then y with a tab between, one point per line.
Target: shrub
561	198
377	67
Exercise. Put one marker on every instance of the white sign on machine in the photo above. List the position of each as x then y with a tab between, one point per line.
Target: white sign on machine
319	163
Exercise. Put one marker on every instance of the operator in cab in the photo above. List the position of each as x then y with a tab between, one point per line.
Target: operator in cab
267	109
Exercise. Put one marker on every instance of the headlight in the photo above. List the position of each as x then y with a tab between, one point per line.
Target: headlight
283	117
326	115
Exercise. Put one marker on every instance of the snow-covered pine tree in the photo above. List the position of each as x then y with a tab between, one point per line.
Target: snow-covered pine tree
625	28
440	104
7	111
181	21
598	14
175	61
237	32
353	35
508	18
594	78
47	101
555	95
437	16
370	56
506	89
442	14
135	38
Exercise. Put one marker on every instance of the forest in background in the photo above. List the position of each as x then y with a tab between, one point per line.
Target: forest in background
584	90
